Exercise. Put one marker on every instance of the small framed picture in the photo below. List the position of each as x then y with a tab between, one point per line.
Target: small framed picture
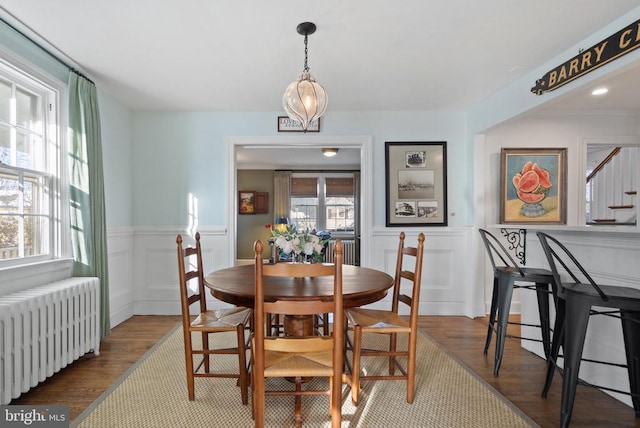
286	124
246	202
533	186
416	159
416	183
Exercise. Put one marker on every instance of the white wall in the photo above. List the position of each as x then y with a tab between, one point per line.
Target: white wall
178	154
182	154
117	142
117	156
556	130
609	254
517	98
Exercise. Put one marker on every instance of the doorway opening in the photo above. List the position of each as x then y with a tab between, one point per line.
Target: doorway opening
252	153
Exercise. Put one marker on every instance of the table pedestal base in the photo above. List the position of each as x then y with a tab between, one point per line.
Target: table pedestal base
298	325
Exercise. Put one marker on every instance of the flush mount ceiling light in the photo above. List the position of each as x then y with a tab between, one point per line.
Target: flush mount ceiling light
305	100
329	152
599	91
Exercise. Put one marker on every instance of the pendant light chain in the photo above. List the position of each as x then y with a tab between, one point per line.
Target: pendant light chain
306	67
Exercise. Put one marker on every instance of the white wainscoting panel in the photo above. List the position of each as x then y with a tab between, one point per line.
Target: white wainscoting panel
446	272
144	274
156	268
121	290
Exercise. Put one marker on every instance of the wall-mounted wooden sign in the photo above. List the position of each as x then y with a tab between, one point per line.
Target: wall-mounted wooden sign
621	43
285	124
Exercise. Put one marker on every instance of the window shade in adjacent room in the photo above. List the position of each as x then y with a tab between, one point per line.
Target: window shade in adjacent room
339	186
304	187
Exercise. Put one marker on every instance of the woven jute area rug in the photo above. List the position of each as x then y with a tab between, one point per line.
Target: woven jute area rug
153	393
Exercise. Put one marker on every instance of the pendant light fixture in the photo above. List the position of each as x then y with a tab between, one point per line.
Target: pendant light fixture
305	100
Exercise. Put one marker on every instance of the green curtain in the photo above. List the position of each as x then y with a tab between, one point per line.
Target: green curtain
86	195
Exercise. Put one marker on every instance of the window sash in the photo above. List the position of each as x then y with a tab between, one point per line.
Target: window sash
30	165
318	196
25	213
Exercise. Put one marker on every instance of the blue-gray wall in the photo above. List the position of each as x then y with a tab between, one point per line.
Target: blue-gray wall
176	154
117	155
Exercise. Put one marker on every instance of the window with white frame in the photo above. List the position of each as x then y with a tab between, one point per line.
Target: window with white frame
29	167
323	201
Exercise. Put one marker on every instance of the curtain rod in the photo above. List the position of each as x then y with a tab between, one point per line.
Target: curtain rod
79	73
13	26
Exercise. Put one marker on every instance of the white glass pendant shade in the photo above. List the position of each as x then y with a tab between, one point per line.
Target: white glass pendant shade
305	100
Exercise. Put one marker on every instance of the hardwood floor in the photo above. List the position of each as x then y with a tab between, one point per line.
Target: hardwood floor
520	381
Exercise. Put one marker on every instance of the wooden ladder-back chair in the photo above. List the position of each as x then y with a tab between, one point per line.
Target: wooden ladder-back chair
507	276
579	298
298	357
390	323
207	322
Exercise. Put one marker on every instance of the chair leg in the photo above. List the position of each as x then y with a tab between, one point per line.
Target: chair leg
298	402
335	404
242	364
631	333
274	324
411	366
355	370
393	340
205	346
542	292
325	324
576	321
505	293
492	315
558	340
189	366
253	391
258	400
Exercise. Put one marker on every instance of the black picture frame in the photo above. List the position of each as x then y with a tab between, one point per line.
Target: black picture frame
416	183
285	124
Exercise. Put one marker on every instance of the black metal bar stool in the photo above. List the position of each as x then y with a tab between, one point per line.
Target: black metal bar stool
576	301
504	282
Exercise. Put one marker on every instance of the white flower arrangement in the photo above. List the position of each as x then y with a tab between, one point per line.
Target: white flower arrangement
307	243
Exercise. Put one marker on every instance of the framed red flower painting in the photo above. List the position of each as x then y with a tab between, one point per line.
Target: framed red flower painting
533	185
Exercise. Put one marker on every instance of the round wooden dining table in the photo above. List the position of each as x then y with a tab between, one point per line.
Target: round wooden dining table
360	286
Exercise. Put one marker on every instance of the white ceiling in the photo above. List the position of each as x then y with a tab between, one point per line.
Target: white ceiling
298	158
230	55
235	55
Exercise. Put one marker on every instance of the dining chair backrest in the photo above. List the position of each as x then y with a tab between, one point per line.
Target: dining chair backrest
496	251
562	261
302	274
191	276
412	275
